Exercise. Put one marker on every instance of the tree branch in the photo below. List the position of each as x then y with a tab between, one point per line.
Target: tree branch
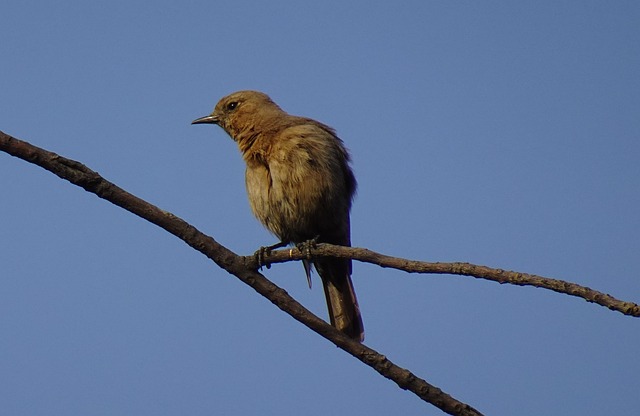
464	269
244	268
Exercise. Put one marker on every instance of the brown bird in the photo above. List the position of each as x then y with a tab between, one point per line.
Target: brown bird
300	186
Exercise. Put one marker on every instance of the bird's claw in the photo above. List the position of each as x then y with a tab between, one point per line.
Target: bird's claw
306	246
260	254
263	252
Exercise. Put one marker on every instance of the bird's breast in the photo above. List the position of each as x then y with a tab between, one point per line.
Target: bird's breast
279	204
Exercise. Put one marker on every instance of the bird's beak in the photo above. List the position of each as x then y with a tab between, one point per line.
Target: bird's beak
210	119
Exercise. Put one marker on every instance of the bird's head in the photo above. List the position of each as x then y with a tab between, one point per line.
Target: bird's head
242	112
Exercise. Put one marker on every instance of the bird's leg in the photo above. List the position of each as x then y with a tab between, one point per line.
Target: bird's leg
265	252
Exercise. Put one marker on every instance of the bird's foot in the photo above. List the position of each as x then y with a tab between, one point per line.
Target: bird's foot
266	252
306	246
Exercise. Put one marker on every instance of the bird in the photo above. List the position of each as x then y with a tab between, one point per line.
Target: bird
300	186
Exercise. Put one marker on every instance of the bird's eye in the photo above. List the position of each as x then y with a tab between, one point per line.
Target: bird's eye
232	105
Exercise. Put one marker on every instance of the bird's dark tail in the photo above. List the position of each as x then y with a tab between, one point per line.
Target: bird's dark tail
344	312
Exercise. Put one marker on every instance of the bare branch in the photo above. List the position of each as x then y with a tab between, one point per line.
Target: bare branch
464	269
244	268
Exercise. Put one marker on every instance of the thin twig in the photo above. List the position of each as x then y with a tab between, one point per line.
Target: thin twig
463	269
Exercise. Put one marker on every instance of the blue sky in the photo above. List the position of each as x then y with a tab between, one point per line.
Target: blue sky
499	133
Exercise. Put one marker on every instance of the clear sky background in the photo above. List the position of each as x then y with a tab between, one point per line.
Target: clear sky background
505	134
